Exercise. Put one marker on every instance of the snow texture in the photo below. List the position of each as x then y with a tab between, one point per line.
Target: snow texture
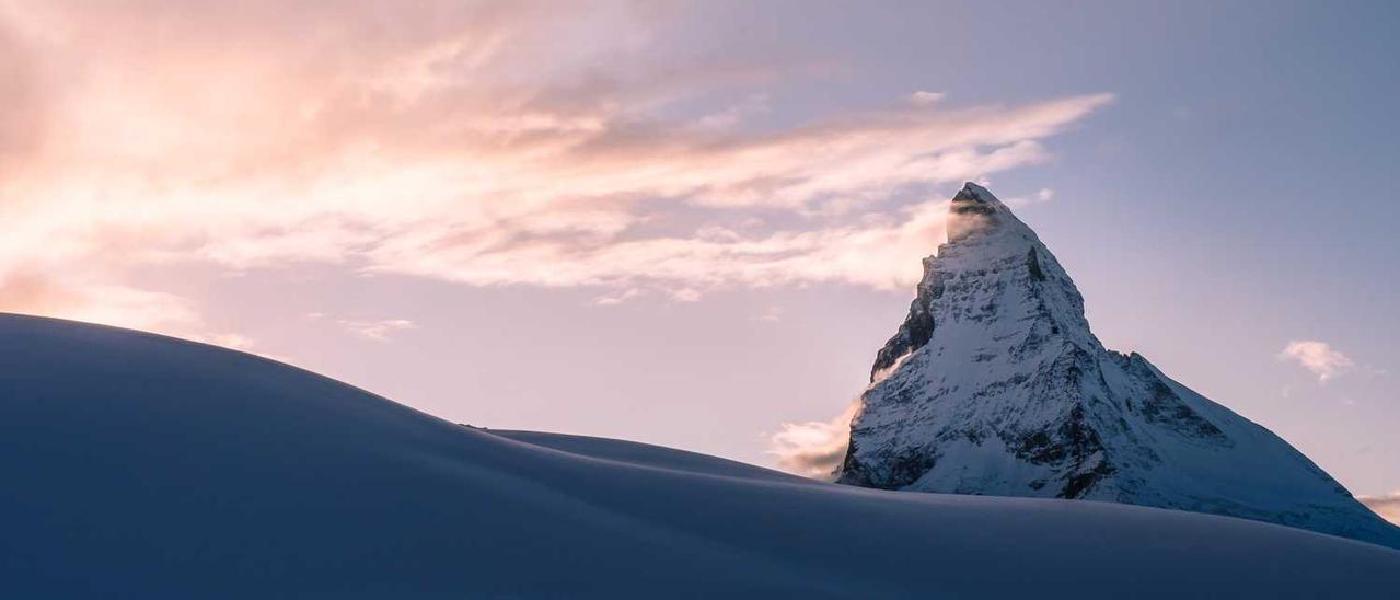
139	466
995	385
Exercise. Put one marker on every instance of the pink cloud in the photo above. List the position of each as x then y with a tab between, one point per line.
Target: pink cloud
813	449
379	331
483	143
1318	357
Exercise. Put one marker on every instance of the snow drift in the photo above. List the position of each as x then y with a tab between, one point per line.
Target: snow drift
141	466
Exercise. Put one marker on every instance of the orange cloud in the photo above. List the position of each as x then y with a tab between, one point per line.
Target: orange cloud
814	449
1387	506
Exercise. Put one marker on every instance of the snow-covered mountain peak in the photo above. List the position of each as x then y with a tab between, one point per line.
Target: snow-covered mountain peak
965	286
974	210
995	384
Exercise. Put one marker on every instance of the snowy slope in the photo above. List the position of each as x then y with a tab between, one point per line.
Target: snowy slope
137	466
995	385
647	455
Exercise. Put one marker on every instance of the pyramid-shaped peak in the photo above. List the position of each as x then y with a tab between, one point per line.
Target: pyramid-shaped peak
994	384
975	209
972	192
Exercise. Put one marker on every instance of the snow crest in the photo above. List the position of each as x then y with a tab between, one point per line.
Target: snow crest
138	466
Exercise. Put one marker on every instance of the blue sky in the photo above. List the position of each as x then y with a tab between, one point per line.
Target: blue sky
689	224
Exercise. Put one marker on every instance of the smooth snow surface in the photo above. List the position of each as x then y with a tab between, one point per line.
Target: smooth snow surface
137	466
647	455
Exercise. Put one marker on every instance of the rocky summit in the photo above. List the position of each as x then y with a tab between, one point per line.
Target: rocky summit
995	385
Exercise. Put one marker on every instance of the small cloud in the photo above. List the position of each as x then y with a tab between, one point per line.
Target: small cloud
813	449
717	234
923	98
1045	194
618	298
735	114
772	314
378	331
686	295
752	223
316	315
232	340
1318	357
1387	506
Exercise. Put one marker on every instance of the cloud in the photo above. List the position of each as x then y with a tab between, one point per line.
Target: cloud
91	301
379	331
618	297
1387	506
1318	357
1041	196
488	143
925	98
232	340
21	123
813	449
772	314
686	295
876	251
27	292
735	114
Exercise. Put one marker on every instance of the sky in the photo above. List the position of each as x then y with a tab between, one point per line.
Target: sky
693	224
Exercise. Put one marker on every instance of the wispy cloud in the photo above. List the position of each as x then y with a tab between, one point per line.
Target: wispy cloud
618	297
492	143
1318	357
772	314
925	98
78	299
379	331
1041	196
813	449
1387	506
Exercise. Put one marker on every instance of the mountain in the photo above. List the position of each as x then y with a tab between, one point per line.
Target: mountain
995	385
140	466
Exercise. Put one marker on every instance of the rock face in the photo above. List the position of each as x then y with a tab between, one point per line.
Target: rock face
994	385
